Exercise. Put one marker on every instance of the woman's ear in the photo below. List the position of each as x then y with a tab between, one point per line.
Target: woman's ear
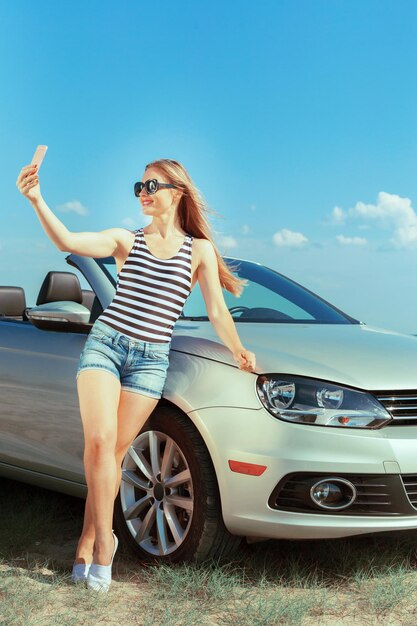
177	195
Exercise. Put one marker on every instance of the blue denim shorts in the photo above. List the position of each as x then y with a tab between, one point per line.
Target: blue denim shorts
140	366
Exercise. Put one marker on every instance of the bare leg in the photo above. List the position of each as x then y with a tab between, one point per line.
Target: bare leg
99	393
85	547
132	412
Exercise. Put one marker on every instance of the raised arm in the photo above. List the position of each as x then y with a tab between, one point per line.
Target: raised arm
95	244
217	311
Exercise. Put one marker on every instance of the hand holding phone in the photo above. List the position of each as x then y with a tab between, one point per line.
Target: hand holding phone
28	181
39	156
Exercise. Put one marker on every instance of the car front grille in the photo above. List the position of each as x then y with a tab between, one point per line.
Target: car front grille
410	484
402	405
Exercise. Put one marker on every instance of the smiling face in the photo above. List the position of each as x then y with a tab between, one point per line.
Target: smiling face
161	201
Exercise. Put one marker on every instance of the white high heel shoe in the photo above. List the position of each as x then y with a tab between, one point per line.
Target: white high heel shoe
80	572
99	576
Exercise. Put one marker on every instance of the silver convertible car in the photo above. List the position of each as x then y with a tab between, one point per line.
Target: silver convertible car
319	442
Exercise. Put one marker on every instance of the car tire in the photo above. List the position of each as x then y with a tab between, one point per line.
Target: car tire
146	510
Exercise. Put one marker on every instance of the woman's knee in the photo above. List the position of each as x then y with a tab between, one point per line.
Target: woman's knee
100	442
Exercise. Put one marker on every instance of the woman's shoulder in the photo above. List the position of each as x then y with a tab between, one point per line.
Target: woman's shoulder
203	244
120	234
124	237
128	233
203	249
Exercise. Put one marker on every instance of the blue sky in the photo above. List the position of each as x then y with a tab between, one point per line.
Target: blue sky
297	120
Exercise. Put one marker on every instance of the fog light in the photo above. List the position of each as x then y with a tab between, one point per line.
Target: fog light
333	493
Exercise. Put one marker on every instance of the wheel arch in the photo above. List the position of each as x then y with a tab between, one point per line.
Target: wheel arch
208	442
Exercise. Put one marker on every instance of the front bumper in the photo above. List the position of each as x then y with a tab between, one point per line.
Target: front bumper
254	436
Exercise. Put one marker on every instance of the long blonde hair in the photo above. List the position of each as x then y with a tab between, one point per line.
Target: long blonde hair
191	214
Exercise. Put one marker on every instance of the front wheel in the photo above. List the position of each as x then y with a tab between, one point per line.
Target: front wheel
168	506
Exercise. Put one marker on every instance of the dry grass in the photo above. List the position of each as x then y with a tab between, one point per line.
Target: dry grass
356	582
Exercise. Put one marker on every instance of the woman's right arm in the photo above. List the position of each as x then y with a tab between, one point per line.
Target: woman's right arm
95	244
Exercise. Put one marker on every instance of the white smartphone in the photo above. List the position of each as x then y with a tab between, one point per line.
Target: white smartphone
39	156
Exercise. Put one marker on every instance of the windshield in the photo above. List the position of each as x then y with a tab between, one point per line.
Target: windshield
268	297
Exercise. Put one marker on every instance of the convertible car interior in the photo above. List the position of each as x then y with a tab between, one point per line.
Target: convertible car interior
57	286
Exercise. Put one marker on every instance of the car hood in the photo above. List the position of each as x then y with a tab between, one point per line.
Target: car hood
353	354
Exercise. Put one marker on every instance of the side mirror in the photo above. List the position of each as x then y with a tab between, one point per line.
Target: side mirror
62	315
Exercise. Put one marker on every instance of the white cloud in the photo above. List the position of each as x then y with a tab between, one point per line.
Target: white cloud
289	239
226	242
245	229
353	241
390	211
73	205
338	215
128	221
253	207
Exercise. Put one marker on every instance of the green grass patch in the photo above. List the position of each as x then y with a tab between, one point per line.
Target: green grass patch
362	581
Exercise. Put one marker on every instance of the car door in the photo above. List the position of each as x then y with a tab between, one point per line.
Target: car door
40	422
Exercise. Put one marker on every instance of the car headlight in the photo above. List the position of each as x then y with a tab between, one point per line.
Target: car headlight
308	401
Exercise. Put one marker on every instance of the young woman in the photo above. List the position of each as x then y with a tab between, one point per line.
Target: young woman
123	365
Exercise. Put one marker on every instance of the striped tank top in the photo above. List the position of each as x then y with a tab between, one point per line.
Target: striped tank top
150	292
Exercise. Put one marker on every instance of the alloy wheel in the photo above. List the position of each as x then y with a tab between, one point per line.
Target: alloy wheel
156	493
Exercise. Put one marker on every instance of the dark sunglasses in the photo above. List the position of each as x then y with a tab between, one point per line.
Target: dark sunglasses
152	185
